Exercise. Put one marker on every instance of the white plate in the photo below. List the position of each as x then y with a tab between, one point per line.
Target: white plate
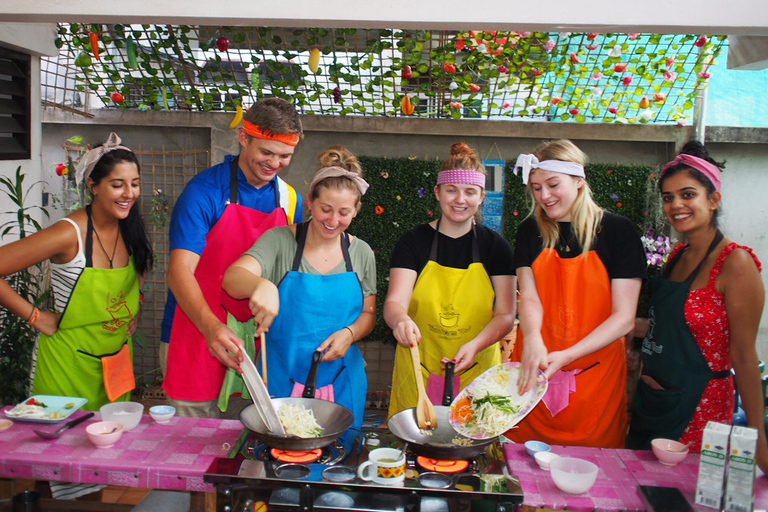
509	373
52	404
261	398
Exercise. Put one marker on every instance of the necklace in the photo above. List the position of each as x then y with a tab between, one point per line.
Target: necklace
114	249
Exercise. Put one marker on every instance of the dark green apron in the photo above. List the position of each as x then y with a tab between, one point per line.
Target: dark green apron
672	357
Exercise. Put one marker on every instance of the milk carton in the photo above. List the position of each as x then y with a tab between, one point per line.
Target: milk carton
740	484
714	452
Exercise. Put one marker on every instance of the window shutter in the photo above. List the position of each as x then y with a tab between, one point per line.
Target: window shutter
15	107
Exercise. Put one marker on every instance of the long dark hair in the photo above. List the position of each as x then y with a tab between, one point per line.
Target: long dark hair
132	228
697	149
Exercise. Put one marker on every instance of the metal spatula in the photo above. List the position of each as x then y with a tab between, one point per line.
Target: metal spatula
56	433
261	398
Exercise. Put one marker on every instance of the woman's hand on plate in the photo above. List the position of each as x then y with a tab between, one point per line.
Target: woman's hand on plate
534	359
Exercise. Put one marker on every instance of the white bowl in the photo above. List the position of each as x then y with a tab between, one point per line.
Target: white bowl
668	451
126	413
573	476
544	459
162	413
104	434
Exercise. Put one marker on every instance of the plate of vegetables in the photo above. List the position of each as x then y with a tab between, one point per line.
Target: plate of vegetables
490	405
46	408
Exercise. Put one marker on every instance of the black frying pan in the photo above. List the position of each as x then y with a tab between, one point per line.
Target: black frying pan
438	443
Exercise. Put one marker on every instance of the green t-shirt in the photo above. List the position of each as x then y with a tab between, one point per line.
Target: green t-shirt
276	248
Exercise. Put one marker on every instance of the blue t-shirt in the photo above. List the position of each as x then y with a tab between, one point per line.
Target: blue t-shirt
201	205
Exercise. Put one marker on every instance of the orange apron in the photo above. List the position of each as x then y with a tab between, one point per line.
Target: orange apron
576	296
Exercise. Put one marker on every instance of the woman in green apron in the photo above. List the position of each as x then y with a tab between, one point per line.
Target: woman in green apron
98	255
704	318
451	288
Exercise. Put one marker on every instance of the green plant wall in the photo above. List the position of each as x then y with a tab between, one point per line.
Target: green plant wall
401	197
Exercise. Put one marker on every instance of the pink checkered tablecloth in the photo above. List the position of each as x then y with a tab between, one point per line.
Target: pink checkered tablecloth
172	456
621	471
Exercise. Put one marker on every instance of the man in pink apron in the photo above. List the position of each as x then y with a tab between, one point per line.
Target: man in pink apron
220	214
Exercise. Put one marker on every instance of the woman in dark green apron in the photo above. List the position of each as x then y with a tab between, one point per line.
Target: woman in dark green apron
704	317
98	255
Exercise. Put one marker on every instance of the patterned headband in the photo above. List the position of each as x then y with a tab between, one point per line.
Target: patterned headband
461	177
526	163
89	160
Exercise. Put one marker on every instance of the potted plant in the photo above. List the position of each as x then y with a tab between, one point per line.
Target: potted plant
17	337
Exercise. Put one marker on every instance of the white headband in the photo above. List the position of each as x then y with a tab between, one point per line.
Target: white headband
91	157
528	162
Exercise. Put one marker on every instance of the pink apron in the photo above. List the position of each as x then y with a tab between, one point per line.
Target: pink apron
193	373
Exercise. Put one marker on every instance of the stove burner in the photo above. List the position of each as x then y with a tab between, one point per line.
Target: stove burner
442	466
296	456
331	454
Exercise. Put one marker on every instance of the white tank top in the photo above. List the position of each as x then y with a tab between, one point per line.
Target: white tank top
64	276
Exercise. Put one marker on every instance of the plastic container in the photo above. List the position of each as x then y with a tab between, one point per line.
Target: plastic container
667	451
573	476
534	447
104	434
162	413
544	459
126	413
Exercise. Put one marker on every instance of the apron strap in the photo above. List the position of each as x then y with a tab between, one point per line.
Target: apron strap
233	180
301	240
475	248
89	239
689	280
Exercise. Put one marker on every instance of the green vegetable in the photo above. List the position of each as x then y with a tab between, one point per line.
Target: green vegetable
130	50
69	405
83	60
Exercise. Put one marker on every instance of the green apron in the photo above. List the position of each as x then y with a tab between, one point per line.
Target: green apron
672	357
93	327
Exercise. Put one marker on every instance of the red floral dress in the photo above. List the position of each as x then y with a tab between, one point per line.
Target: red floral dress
707	319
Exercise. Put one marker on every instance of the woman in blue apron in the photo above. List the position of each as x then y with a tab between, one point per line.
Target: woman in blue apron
98	255
312	287
704	317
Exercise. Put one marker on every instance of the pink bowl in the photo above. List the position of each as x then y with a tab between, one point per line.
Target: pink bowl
666	450
101	433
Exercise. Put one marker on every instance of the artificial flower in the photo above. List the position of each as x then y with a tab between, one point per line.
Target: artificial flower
456	104
449	68
615	196
453	86
482	48
670	61
379	210
459	44
474	87
537	72
574	111
613	110
701	41
503	69
596	91
647	114
704	75
670	76
549	45
615	51
627	80
633	35
592	47
659	96
596	76
575	58
556	100
592	37
506	105
525	34
620	68
422	193
399	198
384	174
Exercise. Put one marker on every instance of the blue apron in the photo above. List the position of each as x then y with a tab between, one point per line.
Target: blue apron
312	307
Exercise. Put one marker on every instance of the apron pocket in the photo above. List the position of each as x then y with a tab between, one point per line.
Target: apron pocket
117	369
657	403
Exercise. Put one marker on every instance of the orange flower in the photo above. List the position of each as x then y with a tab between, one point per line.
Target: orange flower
379	210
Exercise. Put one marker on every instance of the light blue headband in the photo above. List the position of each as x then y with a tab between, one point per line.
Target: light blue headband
526	163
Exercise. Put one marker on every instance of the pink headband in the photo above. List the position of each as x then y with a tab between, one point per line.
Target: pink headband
711	171
461	177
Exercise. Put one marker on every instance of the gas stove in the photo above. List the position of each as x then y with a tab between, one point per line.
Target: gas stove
255	478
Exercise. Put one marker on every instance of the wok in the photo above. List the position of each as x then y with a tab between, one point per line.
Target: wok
333	418
438	442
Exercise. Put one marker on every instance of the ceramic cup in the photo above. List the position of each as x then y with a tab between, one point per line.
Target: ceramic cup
384	466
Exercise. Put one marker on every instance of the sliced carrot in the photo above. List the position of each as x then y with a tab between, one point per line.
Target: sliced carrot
463	411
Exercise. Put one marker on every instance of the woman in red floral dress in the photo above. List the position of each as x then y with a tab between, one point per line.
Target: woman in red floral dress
704	317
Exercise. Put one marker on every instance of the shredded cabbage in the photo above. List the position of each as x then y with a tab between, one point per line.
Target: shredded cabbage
492	402
299	421
27	411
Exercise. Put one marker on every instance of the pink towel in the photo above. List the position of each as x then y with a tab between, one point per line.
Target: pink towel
323	393
558	393
436	388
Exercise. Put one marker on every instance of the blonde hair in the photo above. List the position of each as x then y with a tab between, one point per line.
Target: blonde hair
586	215
337	156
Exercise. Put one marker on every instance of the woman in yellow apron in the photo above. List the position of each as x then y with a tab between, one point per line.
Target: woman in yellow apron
451	288
98	255
580	270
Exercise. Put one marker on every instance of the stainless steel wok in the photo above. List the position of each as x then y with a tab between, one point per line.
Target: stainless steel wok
438	443
332	417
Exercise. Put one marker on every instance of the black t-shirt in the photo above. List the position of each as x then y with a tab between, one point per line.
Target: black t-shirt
412	250
618	246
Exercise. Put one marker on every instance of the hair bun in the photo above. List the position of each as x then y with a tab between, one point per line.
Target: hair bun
697	149
462	149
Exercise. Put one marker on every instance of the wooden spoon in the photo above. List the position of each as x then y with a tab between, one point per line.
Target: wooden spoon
425	411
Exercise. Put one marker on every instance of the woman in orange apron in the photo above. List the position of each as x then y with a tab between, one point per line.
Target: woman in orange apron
85	348
451	288
580	271
704	318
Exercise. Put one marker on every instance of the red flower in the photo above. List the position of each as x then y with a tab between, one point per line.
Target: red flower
574	111
449	68
556	100
379	210
503	69
592	37
627	80
575	58
537	72
620	68
474	87
459	44
670	61
701	41
659	96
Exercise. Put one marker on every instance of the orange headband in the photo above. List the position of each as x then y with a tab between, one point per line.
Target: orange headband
254	130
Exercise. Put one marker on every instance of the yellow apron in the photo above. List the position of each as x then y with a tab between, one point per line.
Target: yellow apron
451	306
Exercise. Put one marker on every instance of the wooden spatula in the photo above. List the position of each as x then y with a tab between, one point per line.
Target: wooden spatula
425	411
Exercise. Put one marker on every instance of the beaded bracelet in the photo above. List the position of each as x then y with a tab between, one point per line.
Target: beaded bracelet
34	316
